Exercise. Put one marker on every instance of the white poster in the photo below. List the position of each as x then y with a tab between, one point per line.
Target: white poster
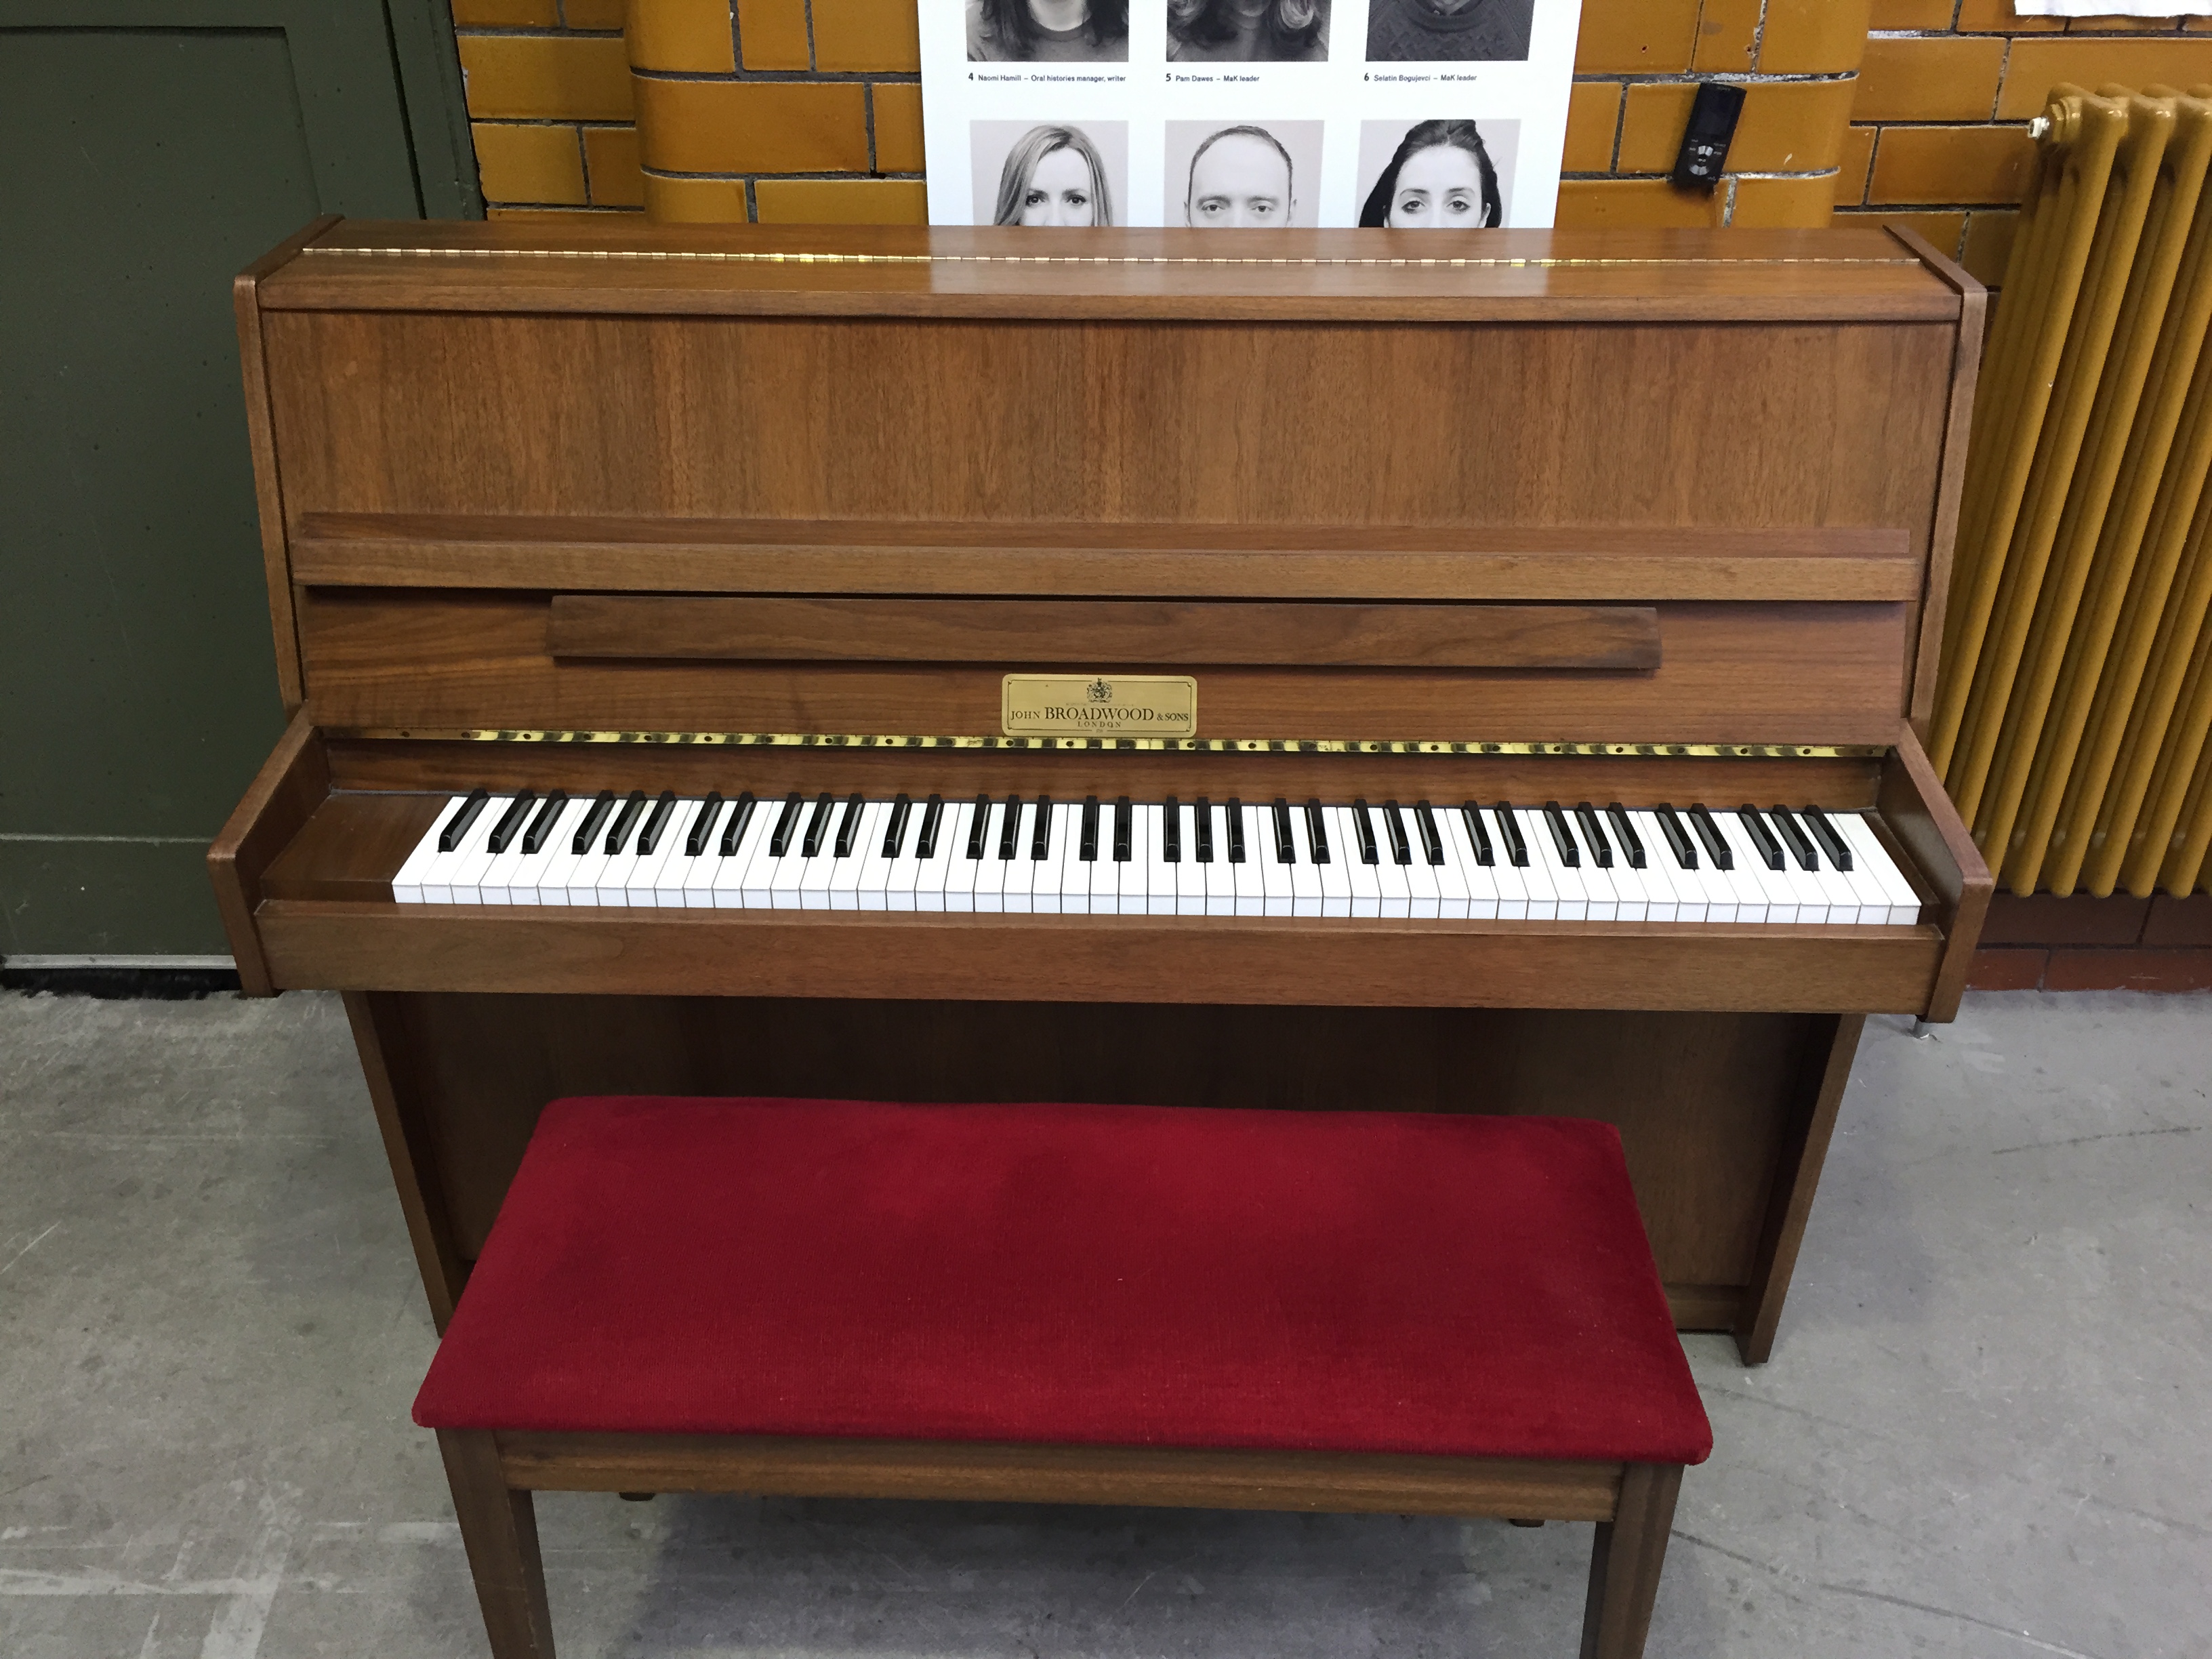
1440	114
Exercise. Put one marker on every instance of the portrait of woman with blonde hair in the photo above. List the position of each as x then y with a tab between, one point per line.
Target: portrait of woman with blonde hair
1247	31
1054	175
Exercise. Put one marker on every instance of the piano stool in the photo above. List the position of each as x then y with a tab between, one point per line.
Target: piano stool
1402	1313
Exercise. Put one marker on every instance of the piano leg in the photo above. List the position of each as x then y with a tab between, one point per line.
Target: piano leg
402	1116
1798	1172
499	1526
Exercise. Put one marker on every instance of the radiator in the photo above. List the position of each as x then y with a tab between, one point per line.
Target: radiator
2072	711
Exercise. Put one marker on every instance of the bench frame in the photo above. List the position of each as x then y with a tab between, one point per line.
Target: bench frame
494	1473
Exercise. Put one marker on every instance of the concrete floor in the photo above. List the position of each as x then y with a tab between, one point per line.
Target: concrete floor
1985	1430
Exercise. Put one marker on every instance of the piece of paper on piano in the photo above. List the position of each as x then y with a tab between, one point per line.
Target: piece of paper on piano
1437	114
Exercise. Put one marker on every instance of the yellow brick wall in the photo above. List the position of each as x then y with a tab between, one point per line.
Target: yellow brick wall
809	110
1939	126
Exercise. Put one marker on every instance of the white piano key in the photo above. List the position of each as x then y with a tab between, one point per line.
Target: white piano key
899	887
1363	887
1215	876
1015	873
1275	883
1475	884
848	872
1755	881
1866	884
1656	880
872	885
1048	883
1569	900
641	889
407	880
697	891
1188	874
545	879
460	873
1244	873
1305	874
497	885
1389	875
933	873
1335	880
961	879
1094	884
731	873
1424	897
1904	900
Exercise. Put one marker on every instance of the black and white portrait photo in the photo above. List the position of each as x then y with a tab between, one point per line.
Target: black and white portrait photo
1447	31
1050	174
1048	31
1247	31
1436	175
1242	175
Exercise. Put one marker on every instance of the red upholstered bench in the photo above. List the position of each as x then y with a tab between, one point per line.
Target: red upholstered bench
1397	1312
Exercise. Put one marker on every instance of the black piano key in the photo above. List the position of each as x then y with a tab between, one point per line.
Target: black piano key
1761	837
979	827
625	821
1010	832
1831	843
1171	831
1717	847
1471	815
1202	816
509	822
1508	831
1317	830
849	826
1124	829
588	830
702	826
1234	818
933	820
1678	838
1087	845
1594	835
817	824
548	814
656	822
1286	849
1432	840
779	840
742	816
1562	837
1623	831
895	830
1363	831
1041	837
457	825
1793	837
1401	851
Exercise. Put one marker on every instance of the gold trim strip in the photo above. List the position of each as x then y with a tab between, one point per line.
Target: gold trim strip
714	255
1098	746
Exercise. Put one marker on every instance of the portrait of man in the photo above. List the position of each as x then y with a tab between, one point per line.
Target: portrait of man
1244	177
1447	31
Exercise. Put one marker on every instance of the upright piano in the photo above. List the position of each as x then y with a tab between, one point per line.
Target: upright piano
1295	670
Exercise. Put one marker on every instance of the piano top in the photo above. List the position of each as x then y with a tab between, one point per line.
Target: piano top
1554	275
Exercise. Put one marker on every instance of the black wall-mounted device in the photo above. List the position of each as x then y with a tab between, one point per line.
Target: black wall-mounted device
1705	141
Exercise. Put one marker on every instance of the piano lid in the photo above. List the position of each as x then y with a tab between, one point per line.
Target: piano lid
1495	276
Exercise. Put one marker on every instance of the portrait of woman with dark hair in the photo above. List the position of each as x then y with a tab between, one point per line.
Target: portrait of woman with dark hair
1439	178
1247	31
1449	31
1048	31
1054	176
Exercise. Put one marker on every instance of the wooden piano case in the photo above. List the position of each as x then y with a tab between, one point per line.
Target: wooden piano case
1624	517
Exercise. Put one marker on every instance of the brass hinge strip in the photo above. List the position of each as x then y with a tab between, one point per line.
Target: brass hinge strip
1132	745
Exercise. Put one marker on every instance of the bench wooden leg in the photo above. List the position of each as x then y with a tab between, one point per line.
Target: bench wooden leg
500	1529
1625	1560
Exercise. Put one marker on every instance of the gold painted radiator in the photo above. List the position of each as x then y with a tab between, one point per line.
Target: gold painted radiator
2071	718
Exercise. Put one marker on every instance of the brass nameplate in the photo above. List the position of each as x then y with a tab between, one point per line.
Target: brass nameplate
1098	705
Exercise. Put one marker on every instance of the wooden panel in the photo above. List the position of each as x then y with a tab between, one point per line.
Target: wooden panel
1939	849
313	942
1731	673
1311	425
1378	561
1703	1100
293	782
1586	637
1248	276
1158	1476
1634	781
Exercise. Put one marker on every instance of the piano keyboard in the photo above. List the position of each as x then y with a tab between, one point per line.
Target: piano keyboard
1119	857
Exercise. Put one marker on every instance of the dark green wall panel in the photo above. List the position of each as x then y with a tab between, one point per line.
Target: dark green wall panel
148	165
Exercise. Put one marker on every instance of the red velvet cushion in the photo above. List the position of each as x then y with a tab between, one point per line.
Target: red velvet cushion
1370	1281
